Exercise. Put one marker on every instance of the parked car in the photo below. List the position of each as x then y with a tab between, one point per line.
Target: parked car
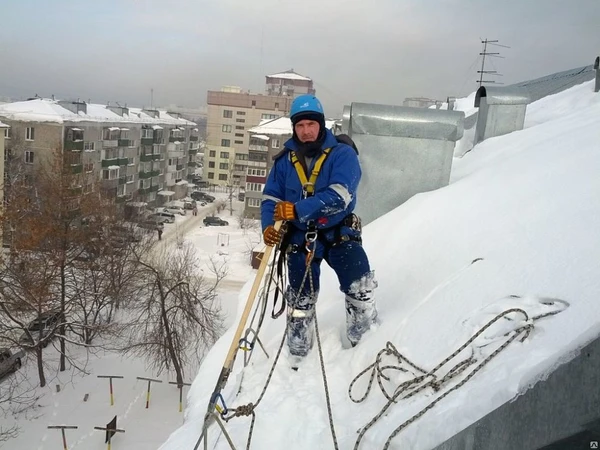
174	208
41	329
10	362
166	217
202	196
151	225
214	221
189	204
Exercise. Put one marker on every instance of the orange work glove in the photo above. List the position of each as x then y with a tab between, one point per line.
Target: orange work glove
284	211
272	236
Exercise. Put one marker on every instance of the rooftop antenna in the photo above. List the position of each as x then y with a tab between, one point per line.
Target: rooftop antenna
151	98
485	53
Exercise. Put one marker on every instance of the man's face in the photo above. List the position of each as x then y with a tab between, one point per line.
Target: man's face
307	130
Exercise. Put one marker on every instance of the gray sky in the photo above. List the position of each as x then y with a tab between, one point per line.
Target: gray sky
378	51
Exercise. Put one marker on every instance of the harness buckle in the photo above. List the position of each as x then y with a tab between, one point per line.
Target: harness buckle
305	191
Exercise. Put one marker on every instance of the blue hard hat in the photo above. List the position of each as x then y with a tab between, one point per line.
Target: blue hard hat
306	105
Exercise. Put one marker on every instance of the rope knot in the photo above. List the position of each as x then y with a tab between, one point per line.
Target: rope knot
245	410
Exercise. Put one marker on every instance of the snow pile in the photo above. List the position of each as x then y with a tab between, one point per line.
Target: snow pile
516	228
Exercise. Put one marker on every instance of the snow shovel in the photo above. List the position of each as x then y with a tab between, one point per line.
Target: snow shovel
230	359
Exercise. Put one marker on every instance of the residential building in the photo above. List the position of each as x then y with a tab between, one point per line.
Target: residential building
4	131
289	83
135	154
266	140
231	113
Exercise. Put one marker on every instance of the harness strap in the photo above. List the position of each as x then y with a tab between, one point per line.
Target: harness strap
309	183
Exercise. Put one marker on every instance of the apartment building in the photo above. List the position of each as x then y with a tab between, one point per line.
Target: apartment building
231	113
136	155
4	131
266	141
289	83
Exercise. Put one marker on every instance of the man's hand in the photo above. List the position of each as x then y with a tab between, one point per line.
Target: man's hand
284	211
271	236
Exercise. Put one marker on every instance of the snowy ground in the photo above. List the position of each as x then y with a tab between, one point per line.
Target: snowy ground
527	203
144	428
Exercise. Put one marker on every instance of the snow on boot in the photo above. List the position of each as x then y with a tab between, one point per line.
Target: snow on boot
300	331
361	311
360	315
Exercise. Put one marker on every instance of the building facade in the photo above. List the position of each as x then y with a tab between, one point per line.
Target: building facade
231	113
289	83
132	154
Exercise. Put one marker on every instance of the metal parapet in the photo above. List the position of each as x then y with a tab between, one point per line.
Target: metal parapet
403	151
501	111
597	68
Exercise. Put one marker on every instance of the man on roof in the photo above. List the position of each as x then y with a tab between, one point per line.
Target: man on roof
312	187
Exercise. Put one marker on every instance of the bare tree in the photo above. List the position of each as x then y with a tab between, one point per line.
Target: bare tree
175	316
17	396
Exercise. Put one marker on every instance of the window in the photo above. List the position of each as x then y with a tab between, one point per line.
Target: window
241	157
29	133
129	179
29	156
227	113
253	102
120	190
275	143
211	164
224	155
241	113
254	202
257	172
254	187
7	133
240	120
276	105
147	133
224	166
110	174
131	161
212	154
172	161
239	127
144	184
239	135
225	143
211	175
89	167
238	142
223	176
89	146
226	128
268	116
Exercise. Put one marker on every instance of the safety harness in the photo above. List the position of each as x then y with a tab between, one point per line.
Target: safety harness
308	184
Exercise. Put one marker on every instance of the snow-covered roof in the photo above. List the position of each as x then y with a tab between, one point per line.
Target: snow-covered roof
279	127
261	136
181	183
50	111
290	75
113	167
166	193
3	125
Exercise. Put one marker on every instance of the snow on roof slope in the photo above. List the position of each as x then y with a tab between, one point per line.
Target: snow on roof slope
290	75
279	127
48	110
528	204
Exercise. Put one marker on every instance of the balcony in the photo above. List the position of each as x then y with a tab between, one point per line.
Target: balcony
176	138
122	180
110	143
179	167
154	188
158	140
170	169
147	141
73	145
194	138
192	164
110	184
110	162
76	168
150	157
258	148
126	142
145	175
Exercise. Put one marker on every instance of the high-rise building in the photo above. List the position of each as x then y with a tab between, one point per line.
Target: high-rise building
289	83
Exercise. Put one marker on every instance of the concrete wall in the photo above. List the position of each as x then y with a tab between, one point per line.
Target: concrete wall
561	412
